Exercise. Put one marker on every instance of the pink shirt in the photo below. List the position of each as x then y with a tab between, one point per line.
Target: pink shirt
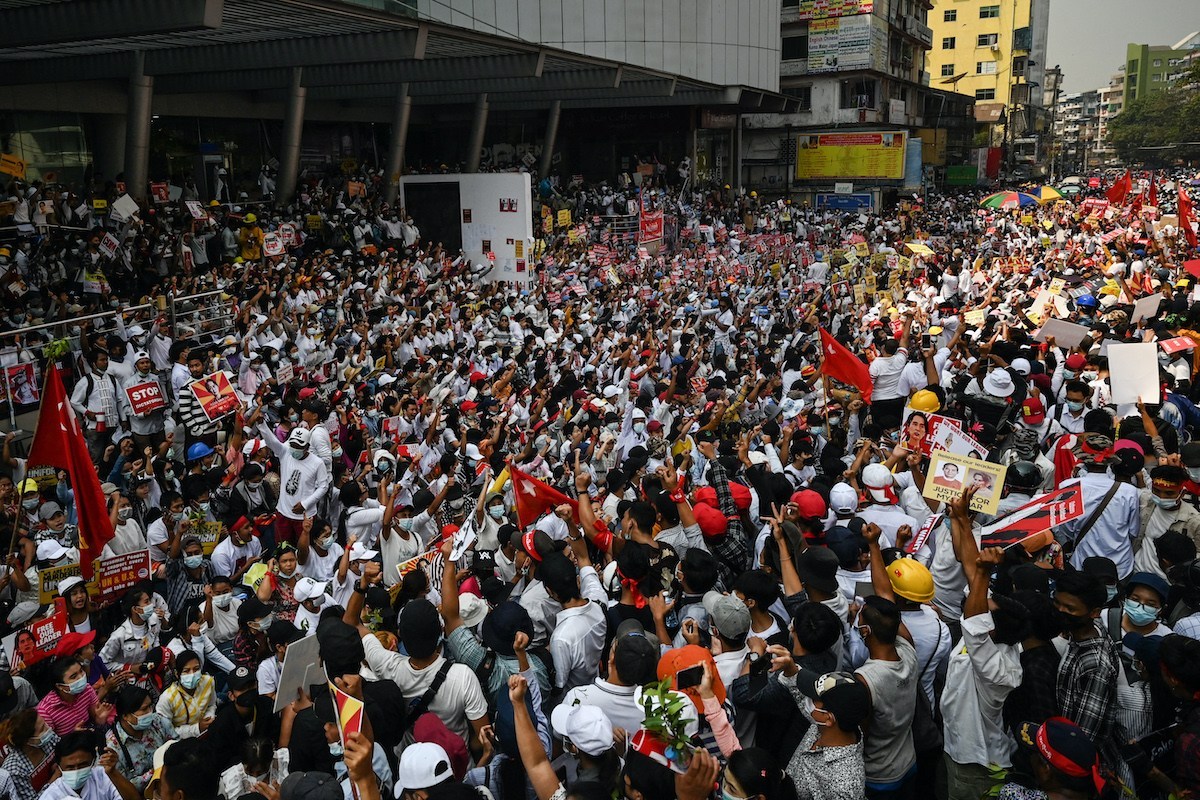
64	716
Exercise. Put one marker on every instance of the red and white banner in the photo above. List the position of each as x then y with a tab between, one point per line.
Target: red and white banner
145	398
1042	513
114	576
215	395
273	244
650	227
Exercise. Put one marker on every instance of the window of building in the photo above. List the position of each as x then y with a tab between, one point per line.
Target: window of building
985	94
801	93
989	12
859	93
947	70
1018	67
985	67
1155	77
795	47
950	16
1157	62
986	39
948	43
790	3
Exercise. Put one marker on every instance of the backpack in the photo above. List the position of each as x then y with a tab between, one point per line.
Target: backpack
1187	409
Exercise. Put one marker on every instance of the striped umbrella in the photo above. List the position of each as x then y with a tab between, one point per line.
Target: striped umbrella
1047	194
1007	200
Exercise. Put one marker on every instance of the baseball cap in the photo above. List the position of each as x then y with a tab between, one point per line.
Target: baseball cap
843	499
241	678
1150	581
587	727
27	486
1033	411
810	504
308	589
728	614
1076	362
878	480
67	584
1102	568
360	553
842	696
49	509
50	550
817	567
472	608
72	642
422	765
691	655
1065	747
310	786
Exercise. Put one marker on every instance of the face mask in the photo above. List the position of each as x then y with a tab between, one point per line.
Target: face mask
203	507
1164	502
1071	622
725	795
177	517
145	612
1069	374
100	370
46	739
191	562
835	421
497	512
78	685
124	514
406	524
335	749
287	575
143	723
1110	592
143	374
298	452
336	452
639	427
190	681
1140	613
245	700
293	417
318	601
324	542
265	622
372	412
1074	406
818	430
612	427
1194	473
222	601
76	778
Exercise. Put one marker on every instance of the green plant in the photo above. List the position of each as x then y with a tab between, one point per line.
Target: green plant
664	718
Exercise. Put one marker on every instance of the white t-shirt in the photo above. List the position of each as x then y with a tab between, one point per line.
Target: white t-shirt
322	567
458	701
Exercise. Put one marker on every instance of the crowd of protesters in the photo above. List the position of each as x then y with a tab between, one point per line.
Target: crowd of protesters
653	524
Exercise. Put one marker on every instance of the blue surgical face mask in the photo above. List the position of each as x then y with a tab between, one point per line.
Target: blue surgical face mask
1111	593
497	512
144	722
78	685
76	778
335	749
1140	613
1074	406
639	427
1164	502
191	562
46	739
190	681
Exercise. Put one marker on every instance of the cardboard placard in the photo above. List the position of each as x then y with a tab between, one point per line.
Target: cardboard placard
285	373
949	473
1133	369
145	398
210	533
51	577
195	209
951	438
975	316
1176	344
917	429
1042	513
300	655
123	208
1145	307
114	576
272	244
1066	334
216	395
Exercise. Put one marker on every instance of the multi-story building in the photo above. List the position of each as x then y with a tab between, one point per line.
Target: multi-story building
1152	68
995	51
1076	129
1111	102
857	68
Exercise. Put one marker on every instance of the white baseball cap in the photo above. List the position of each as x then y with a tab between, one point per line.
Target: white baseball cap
308	589
359	552
587	727
422	765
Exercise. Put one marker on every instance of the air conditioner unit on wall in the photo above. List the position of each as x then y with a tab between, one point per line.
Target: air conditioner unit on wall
995	47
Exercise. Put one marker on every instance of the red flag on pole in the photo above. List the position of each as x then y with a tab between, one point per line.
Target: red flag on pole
1152	198
58	442
1116	193
1186	216
843	365
534	498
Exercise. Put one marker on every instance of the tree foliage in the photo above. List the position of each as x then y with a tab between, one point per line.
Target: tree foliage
1171	117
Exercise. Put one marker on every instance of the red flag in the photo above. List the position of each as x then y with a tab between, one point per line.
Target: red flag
58	442
1186	216
1152	199
534	497
1116	193
843	365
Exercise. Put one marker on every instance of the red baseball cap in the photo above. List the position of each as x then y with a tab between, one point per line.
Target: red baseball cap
1033	411
72	642
811	504
1076	361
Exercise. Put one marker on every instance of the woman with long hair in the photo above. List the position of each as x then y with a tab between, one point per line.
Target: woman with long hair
30	759
190	703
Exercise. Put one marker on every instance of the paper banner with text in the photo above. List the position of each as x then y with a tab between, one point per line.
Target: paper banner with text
949	473
216	395
51	577
145	398
951	438
114	576
1042	513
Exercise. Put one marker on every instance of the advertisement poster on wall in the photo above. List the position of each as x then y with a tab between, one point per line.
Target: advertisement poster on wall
850	155
825	9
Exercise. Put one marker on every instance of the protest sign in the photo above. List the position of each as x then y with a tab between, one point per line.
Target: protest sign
1133	369
272	244
113	576
922	536
917	427
38	639
949	473
210	533
285	373
109	245
11	165
22	384
1145	307
195	209
51	577
564	217
123	208
145	398
216	395
975	316
300	655
1176	344
417	562
948	436
1042	513
1066	334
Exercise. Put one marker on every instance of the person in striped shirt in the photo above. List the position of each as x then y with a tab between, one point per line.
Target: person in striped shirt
71	702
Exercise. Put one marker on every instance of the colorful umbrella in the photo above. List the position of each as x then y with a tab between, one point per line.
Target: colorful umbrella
1007	200
1047	194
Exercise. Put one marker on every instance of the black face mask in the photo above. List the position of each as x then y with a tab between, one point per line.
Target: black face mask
1071	622
246	700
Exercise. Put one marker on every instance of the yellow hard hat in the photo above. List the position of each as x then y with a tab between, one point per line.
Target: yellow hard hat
754	194
251	218
926	401
911	580
26	486
213	203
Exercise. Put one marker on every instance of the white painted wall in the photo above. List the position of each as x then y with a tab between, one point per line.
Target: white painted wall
482	193
727	42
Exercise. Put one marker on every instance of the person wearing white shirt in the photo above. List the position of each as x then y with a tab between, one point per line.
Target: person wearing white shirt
85	775
579	632
304	481
982	672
